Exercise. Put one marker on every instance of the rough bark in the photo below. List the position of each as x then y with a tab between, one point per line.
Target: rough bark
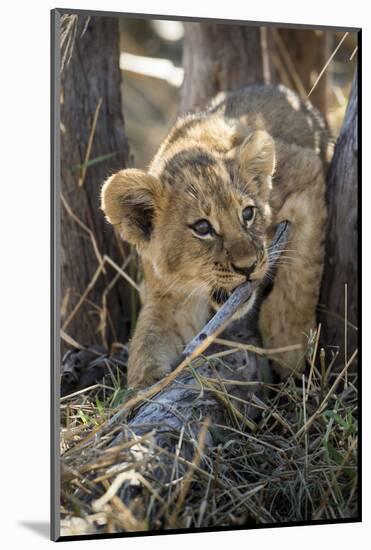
90	76
341	267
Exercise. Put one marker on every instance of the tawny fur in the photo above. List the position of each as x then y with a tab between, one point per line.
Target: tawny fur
261	147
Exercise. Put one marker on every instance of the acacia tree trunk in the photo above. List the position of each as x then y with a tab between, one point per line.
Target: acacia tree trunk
90	89
341	269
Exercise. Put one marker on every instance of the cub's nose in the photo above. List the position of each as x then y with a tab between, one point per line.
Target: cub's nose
245	270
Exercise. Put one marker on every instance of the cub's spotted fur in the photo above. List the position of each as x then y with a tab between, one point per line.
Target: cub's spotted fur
203	216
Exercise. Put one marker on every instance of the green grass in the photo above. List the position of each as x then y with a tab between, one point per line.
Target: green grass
299	463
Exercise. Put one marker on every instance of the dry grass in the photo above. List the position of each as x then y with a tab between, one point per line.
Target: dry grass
299	464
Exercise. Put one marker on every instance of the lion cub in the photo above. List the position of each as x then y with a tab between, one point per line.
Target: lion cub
203	216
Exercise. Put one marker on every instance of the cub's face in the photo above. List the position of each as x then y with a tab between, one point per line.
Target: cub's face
202	220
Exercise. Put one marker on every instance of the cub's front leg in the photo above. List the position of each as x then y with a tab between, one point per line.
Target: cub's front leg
289	312
136	203
165	326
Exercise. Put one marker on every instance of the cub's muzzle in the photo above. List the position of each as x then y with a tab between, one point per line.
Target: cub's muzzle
246	271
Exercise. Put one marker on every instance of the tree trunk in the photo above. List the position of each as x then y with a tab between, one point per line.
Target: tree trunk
341	267
90	111
220	57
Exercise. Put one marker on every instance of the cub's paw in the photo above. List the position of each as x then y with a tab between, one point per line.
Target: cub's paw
290	363
143	375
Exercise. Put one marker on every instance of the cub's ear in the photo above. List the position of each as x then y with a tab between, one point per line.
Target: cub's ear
129	200
256	160
257	153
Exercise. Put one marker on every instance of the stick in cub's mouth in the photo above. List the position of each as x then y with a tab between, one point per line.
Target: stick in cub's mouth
239	297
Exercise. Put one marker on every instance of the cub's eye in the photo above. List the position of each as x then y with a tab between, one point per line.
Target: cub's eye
202	228
248	213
